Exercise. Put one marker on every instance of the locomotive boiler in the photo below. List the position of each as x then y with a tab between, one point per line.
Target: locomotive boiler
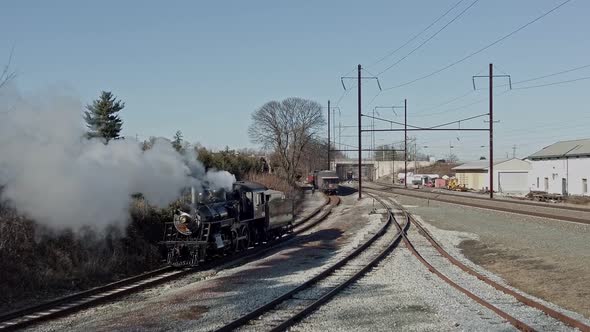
217	223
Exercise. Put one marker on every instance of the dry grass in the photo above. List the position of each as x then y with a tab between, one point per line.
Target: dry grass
438	168
582	200
37	263
274	182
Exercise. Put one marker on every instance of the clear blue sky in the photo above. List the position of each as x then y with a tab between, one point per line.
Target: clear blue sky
204	68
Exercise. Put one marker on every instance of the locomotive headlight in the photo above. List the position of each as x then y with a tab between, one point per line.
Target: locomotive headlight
182	223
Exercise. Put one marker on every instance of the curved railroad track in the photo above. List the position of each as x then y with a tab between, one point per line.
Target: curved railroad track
75	302
566	213
519	324
292	306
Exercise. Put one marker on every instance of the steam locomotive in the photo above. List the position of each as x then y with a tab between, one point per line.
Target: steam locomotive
217	223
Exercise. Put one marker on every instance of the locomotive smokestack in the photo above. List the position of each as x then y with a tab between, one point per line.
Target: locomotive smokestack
193	195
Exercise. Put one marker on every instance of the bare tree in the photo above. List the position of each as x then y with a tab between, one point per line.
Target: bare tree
7	75
287	127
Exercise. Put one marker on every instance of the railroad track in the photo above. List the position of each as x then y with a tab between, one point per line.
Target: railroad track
518	323
482	198
292	306
567	213
75	302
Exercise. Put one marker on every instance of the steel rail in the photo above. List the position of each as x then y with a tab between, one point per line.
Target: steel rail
508	201
523	299
75	302
269	306
511	319
440	197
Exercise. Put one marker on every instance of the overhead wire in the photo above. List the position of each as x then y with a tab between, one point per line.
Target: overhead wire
553	83
416	35
479	50
429	38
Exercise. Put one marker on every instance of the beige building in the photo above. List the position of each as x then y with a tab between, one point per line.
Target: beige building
510	175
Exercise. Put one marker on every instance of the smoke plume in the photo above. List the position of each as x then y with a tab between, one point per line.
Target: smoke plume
52	174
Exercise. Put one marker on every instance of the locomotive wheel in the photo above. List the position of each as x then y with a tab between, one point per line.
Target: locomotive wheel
234	240
243	239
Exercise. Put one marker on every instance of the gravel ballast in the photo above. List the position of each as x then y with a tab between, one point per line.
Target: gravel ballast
220	298
377	302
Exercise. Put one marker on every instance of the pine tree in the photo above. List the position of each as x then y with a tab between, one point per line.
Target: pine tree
102	119
177	142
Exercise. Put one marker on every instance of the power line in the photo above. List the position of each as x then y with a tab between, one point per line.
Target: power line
416	35
463	106
459	121
429	38
344	93
553	83
545	76
419	113
550	75
446	102
480	50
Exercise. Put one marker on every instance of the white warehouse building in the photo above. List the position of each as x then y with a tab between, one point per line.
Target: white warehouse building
510	175
561	168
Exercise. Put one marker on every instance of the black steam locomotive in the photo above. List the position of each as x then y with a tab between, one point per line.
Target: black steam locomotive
219	222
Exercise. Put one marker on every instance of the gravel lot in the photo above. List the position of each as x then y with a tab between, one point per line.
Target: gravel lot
542	257
216	299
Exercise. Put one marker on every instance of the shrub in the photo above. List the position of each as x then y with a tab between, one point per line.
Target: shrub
37	262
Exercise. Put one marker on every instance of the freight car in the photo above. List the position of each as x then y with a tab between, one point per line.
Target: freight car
217	223
326	181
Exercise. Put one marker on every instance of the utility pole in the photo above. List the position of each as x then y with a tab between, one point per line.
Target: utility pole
415	154
514	151
329	135
450	150
405	143
334	130
491	131
359	123
360	126
491	121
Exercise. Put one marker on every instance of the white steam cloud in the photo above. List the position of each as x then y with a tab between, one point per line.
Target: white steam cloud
55	176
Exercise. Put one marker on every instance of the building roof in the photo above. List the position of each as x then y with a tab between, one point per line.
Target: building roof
478	165
562	149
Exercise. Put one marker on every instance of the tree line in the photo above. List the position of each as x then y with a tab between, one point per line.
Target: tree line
289	131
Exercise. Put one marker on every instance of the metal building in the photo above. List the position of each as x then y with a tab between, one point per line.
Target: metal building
510	175
561	168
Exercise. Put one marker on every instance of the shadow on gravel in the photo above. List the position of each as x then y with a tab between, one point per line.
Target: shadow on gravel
242	291
346	191
249	288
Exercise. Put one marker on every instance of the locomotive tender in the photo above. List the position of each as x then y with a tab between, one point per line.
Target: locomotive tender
219	222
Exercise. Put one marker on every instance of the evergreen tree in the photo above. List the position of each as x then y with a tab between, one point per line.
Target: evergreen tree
102	119
177	142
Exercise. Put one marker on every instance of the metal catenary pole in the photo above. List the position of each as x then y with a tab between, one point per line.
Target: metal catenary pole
405	143
359	130
491	132
329	135
491	121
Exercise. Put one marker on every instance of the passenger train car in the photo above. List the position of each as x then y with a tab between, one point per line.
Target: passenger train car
216	223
